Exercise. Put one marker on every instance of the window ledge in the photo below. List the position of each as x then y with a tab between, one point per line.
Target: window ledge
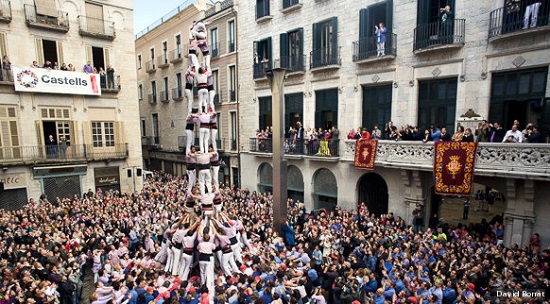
180	59
291	8
164	65
325	68
438	47
386	57
295	73
264	19
523	32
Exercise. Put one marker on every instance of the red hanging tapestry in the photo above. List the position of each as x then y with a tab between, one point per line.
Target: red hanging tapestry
365	154
454	167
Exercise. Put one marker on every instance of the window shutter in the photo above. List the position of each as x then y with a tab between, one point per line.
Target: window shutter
423	15
73	130
316	36
107	55
256	51
389	16
119	137
364	31
301	42
60	59
87	132
40	138
3	45
334	21
89	54
284	51
269	50
39	51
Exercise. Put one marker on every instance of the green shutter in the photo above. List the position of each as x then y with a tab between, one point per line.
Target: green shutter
269	51
364	31
334	21
423	14
284	51
389	17
316	36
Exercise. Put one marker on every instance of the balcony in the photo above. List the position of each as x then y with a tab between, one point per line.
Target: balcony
293	64
150	66
162	61
493	159
233	146
110	84
312	148
152	98
46	18
164	96
5	11
436	36
365	50
509	21
324	59
97	28
232	95
262	12
291	5
28	155
260	69
176	55
177	93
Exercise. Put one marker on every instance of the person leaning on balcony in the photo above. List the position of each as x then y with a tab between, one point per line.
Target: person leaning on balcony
88	69
444	135
533	135
468	136
376	133
483	131
459	134
515	133
380	33
6	68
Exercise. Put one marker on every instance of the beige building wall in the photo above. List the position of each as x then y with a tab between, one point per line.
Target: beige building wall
21	43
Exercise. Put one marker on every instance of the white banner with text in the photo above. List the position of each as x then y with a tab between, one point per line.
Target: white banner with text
55	81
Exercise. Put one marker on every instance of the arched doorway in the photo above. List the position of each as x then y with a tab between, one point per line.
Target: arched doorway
265	178
373	190
325	190
295	183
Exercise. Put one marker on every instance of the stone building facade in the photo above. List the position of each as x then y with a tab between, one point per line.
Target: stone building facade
100	150
485	62
161	54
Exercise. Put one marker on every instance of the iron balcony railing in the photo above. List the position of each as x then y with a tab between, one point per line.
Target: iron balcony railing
6	75
317	147
262	10
289	3
150	66
291	63
61	154
259	69
5	11
324	57
368	47
518	16
177	54
152	98
58	23
164	96
96	27
162	61
177	93
110	83
439	33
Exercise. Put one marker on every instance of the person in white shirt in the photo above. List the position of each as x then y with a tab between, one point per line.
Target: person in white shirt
515	133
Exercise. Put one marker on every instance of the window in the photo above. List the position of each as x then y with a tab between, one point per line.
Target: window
231	35
140	91
139	61
153	96
49	50
437	103
265	112
233	129
294	107
289	3
262	57
376	106
156	130
430	30
232	85
143	128
165	51
292	50
165	92
103	134
215	80
326	108
262	8
325	43
99	57
214	42
369	18
178	82
178	46
152	52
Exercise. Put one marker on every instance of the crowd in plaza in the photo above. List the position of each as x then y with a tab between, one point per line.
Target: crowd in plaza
144	248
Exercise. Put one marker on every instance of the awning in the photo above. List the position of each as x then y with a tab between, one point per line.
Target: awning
46	8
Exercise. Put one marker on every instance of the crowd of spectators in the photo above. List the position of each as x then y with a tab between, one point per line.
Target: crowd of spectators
323	256
483	132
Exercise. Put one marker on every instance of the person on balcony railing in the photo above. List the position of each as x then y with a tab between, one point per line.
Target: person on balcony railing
531	13
110	77
88	69
380	34
447	19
